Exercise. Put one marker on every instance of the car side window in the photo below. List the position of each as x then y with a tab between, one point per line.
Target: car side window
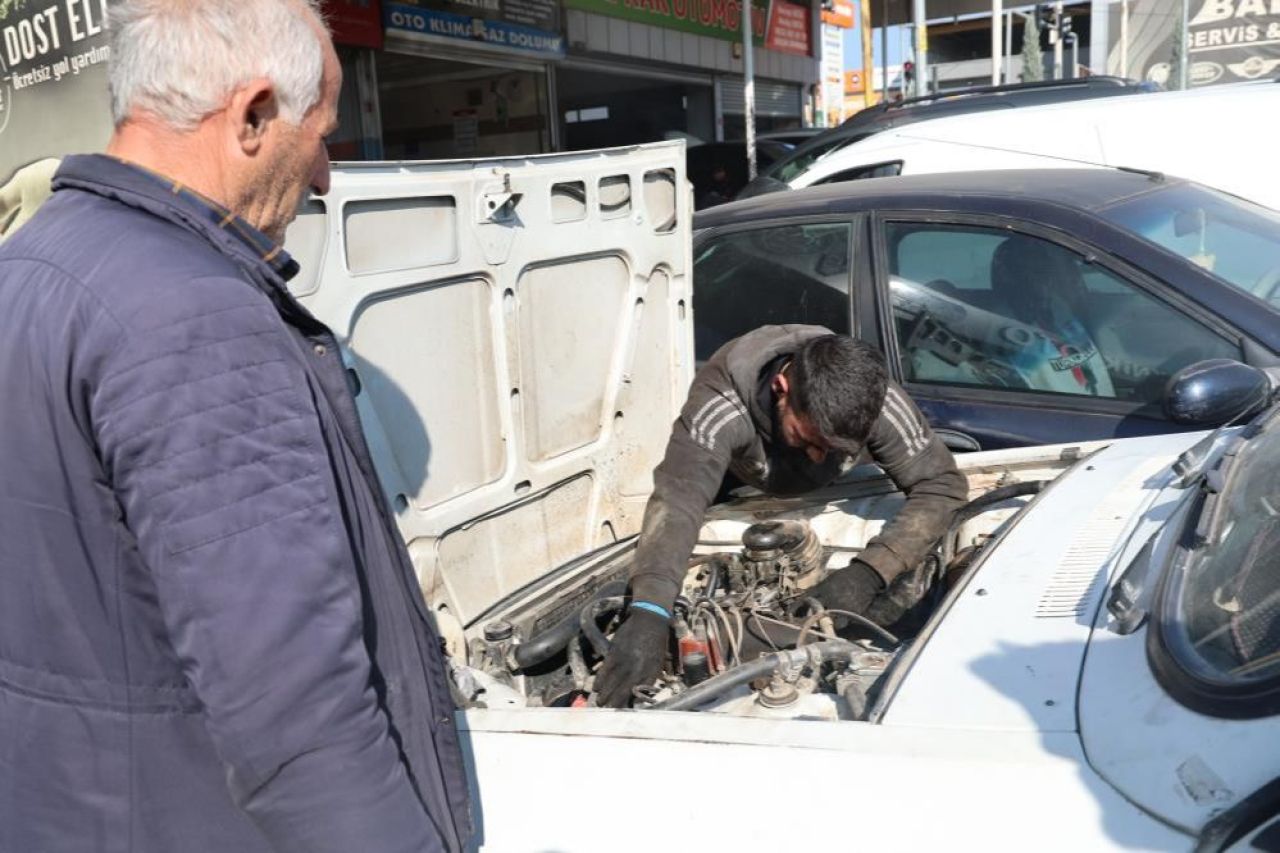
776	274
879	170
988	307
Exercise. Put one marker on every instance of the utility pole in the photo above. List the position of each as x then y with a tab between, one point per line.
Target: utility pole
1124	38
902	73
1055	38
1008	47
884	48
1184	81
868	59
997	42
749	89
922	47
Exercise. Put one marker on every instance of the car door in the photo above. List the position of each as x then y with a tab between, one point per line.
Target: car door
1007	334
773	272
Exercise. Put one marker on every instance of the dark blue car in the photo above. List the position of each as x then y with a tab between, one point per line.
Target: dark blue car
1019	307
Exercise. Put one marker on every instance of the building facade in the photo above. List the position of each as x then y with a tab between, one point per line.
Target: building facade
1222	41
468	78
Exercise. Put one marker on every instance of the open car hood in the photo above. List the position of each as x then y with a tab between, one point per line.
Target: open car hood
520	334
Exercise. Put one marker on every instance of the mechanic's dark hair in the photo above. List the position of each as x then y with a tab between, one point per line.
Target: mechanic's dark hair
839	384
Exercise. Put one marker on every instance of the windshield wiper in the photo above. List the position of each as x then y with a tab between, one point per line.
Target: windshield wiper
1129	599
1240	820
1192	463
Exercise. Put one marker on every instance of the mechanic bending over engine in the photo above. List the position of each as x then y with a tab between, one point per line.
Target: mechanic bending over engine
783	408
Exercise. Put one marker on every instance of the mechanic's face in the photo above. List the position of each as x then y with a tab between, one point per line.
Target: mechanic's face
797	430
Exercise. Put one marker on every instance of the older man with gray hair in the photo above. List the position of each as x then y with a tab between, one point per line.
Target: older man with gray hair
211	636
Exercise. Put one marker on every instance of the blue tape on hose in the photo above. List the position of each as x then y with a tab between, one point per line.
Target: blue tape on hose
651	607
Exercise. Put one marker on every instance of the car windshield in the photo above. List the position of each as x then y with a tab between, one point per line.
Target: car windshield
803	158
1226	594
1235	240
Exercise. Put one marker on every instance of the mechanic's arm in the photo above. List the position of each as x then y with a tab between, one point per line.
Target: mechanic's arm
214	449
712	425
902	443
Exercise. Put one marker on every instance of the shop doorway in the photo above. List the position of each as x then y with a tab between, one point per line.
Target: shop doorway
440	109
600	110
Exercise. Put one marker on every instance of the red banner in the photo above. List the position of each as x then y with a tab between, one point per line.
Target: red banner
788	28
355	22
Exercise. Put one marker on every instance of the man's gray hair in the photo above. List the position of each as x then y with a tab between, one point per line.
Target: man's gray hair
178	60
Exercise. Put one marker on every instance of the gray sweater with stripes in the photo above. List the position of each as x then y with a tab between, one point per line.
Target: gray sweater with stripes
727	424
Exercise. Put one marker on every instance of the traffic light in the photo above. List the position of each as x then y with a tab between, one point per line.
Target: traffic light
1064	26
908	71
1044	16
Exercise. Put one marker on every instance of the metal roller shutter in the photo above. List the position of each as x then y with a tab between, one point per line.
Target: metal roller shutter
772	99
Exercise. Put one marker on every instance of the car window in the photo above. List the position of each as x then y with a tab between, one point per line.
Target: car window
1234	240
878	170
779	274
986	307
803	158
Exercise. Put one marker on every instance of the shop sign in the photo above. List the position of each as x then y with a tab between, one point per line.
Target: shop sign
1227	41
354	22
832	64
715	18
1230	41
841	14
53	81
522	26
788	28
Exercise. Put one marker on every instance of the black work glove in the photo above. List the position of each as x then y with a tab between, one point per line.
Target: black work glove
635	657
900	598
852	588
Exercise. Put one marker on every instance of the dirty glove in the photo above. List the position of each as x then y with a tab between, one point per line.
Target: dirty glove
635	657
852	588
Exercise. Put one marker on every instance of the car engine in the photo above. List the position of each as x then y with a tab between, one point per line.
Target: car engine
746	637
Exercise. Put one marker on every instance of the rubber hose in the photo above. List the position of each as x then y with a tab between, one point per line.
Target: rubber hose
813	654
552	641
592	611
979	505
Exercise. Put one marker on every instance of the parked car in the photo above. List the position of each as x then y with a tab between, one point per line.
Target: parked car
718	170
1200	134
1048	306
893	114
519	334
792	136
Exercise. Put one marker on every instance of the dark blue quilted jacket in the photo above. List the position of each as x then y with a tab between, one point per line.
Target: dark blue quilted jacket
211	638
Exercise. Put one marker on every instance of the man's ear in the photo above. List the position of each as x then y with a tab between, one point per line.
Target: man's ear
781	387
252	109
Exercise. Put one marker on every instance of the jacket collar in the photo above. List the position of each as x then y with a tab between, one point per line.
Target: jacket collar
150	191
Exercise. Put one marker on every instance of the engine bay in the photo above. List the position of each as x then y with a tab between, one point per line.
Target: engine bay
746	637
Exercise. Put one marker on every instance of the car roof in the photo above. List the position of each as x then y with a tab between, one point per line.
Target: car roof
989	97
1084	189
885	116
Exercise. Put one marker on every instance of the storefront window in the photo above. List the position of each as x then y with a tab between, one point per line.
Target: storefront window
438	109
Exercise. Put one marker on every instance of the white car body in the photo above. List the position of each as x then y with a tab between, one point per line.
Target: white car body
518	376
1205	135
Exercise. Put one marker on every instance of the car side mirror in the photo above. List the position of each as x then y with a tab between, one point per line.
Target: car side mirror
1215	392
